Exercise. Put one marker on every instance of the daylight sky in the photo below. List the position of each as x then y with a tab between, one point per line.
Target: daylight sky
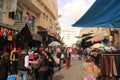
72	10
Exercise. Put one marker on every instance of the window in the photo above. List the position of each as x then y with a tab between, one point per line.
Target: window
1	4
1	9
17	15
46	18
43	16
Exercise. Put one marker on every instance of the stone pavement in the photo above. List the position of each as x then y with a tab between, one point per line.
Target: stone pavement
75	72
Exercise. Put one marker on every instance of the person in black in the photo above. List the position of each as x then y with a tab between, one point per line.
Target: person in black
79	52
58	56
42	66
4	66
51	62
23	65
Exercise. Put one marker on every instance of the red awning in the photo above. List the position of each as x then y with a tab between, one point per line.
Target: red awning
97	39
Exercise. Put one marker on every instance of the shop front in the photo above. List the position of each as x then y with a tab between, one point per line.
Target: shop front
36	40
8	38
53	36
29	38
43	33
24	34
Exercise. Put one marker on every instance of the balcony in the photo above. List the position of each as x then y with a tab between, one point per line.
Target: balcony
34	5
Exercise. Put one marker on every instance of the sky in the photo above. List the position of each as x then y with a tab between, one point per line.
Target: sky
72	10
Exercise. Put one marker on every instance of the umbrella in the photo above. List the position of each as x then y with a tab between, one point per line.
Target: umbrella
103	13
97	39
54	43
97	45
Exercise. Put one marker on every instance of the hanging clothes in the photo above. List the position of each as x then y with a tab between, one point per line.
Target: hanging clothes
110	67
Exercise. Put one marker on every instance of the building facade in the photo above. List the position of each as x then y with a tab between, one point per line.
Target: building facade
111	34
87	34
37	17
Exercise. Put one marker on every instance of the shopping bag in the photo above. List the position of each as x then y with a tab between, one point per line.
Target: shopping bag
89	78
77	56
57	61
11	77
62	56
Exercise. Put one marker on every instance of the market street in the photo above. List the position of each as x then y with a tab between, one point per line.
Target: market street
75	72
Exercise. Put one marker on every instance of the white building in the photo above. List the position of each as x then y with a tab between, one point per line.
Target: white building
68	35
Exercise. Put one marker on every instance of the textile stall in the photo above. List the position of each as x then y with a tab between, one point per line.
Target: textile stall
7	39
110	67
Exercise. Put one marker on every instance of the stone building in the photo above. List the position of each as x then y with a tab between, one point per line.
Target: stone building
35	20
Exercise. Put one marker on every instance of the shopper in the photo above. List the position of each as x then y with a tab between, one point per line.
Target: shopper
58	57
4	66
23	65
41	64
68	58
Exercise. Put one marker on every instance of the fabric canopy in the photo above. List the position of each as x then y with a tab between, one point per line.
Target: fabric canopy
103	13
97	39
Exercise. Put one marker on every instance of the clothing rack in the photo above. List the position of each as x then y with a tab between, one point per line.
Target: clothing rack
109	69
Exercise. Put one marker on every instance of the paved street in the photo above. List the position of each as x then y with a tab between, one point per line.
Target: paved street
75	72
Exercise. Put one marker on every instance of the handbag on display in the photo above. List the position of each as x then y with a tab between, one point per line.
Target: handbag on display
11	77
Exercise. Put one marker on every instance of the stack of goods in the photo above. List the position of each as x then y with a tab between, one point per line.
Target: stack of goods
91	69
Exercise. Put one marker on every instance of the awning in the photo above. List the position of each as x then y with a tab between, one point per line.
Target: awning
97	39
42	31
103	13
19	25
40	28
6	26
22	28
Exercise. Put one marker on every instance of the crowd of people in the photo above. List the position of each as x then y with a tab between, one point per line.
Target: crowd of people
38	62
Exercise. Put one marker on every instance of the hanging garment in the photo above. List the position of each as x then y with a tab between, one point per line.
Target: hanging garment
117	62
114	67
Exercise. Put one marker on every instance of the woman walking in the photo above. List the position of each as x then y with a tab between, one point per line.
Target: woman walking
68	57
42	67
